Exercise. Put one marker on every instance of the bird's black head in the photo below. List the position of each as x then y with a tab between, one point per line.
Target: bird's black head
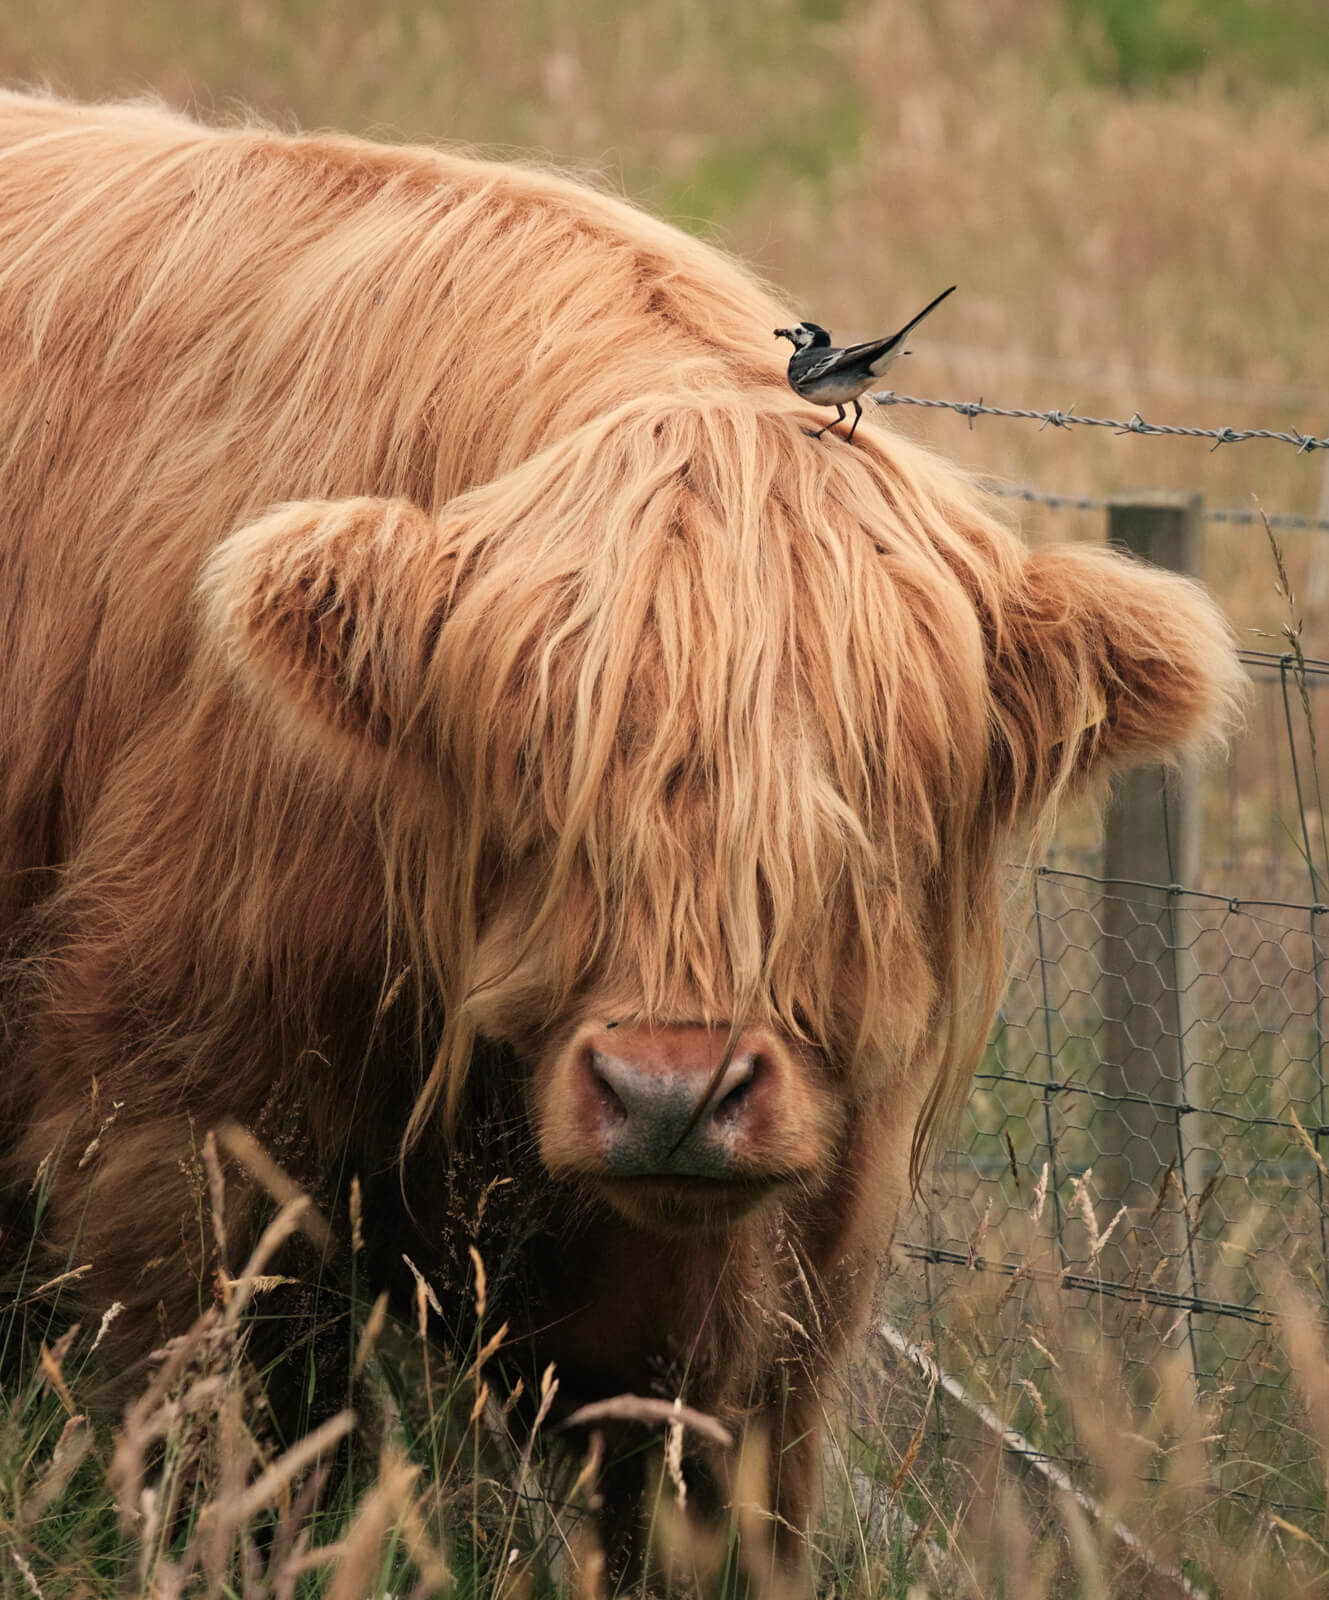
804	335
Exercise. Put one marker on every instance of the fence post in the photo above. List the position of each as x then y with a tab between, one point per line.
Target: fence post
1151	838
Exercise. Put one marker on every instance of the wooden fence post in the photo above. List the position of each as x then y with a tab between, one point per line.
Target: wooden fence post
1151	841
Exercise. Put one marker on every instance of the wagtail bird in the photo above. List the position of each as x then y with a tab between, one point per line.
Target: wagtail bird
831	377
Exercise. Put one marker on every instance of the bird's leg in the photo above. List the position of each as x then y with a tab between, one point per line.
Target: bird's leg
816	433
858	412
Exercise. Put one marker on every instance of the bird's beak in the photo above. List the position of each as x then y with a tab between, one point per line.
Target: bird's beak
783	333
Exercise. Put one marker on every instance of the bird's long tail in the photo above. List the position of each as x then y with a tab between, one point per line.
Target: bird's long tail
925	312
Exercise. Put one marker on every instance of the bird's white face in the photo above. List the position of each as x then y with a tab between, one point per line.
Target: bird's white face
800	335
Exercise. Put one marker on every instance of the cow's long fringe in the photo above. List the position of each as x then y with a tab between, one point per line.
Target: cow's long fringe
623	678
733	586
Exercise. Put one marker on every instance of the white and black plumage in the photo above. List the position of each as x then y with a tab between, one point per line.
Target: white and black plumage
830	377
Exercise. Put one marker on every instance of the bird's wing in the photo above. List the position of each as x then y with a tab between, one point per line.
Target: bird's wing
808	365
865	355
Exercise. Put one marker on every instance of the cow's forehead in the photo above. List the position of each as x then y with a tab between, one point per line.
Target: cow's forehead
792	601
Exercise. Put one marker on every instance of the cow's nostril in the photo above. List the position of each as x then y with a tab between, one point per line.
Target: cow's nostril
611	1103
731	1107
736	1088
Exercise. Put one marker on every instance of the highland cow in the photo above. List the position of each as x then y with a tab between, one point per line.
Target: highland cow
450	708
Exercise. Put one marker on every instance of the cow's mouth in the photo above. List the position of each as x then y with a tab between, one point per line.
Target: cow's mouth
686	1205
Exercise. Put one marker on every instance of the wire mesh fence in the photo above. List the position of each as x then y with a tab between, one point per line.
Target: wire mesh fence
1147	1132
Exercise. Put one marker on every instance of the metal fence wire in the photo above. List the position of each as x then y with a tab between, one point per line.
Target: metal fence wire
1068	417
1147	1131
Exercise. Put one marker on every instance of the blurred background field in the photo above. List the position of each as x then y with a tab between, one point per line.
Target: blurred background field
1133	196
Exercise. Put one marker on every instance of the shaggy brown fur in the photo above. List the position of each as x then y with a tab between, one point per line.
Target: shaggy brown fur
413	566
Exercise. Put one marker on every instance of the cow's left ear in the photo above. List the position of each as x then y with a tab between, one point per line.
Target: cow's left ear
326	612
1099	662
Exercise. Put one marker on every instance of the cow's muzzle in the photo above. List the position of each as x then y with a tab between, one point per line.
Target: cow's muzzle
665	1123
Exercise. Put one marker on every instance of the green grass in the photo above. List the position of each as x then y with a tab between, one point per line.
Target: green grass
1144	44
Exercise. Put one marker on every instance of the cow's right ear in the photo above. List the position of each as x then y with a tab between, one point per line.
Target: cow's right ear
326	612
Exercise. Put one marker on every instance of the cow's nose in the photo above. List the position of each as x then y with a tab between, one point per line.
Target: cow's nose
654	1118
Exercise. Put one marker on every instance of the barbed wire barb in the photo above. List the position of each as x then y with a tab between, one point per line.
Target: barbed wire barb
1066	417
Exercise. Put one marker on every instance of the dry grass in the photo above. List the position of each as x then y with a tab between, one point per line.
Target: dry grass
433	1491
1054	1381
1159	252
427	1489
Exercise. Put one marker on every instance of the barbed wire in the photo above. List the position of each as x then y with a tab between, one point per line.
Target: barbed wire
1069	418
1089	502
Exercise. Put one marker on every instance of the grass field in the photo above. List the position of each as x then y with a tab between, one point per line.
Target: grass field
428	1490
1134	200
